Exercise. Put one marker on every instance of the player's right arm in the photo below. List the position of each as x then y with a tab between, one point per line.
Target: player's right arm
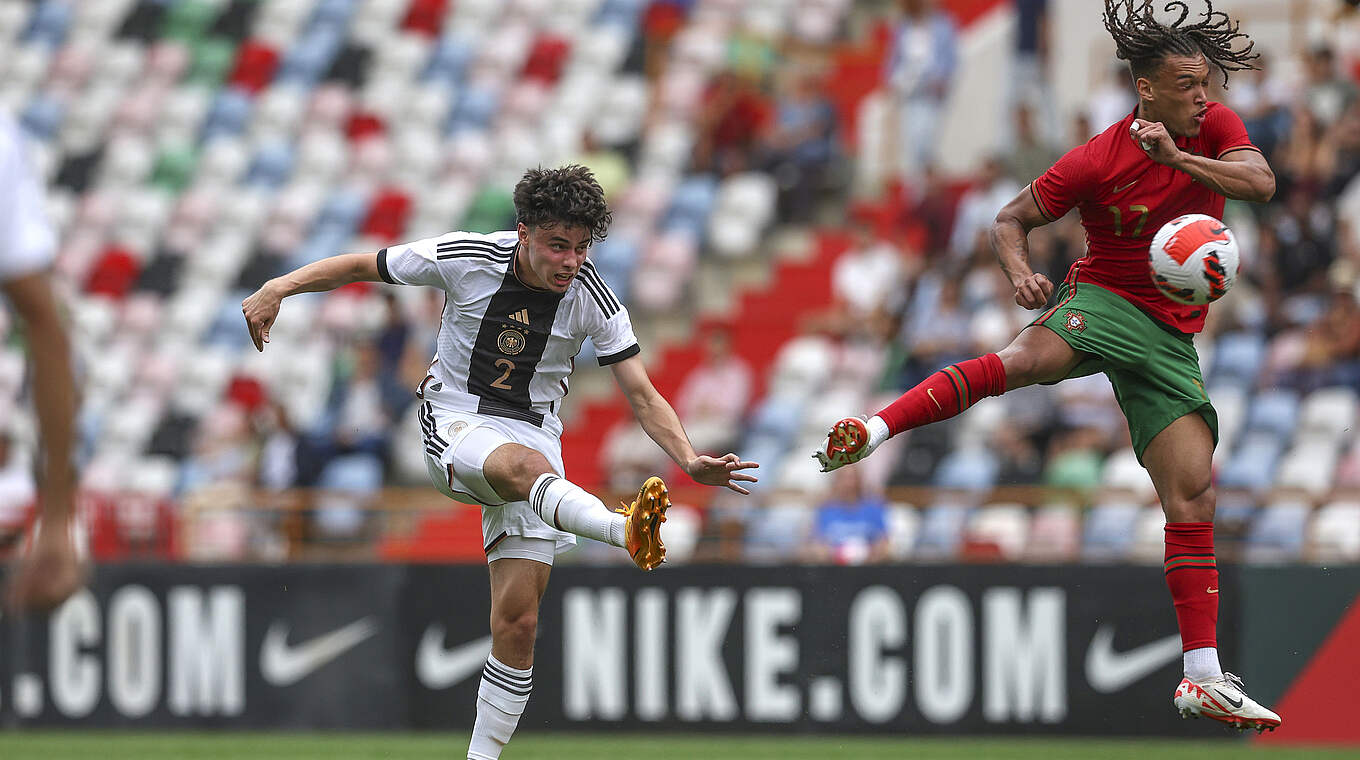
262	307
1010	241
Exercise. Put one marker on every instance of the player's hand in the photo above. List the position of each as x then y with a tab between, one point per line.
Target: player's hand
721	471
261	308
47	574
1153	138
1033	291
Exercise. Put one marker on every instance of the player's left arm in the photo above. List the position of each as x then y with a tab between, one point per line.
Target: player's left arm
662	424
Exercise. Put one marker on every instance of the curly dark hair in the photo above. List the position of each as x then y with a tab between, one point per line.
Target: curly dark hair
1144	42
568	195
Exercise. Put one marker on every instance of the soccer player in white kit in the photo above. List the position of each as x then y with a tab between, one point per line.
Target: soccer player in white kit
518	306
49	570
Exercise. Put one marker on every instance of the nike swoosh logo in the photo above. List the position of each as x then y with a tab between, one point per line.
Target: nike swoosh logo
1236	703
931	392
1125	187
1210	590
440	668
1109	671
283	665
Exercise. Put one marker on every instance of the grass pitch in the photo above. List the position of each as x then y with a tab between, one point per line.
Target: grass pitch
104	745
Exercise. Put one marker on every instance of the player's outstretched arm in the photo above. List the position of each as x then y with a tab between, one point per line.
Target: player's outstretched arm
662	424
261	308
1010	241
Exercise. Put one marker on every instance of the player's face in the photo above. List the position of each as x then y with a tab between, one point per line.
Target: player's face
1178	94
551	255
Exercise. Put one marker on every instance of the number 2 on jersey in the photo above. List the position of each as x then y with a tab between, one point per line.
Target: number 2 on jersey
1138	208
506	366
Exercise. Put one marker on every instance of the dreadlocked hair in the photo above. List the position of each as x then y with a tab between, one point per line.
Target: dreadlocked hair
1144	42
569	195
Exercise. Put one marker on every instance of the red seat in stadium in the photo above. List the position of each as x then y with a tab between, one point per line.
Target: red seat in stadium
255	66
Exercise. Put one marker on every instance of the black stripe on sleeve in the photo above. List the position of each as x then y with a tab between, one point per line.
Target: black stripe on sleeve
608	292
1033	193
382	268
596	290
619	356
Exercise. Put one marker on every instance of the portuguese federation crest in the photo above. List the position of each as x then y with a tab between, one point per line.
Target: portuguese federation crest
1074	321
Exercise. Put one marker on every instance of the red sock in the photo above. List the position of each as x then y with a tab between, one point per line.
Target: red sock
1192	576
946	393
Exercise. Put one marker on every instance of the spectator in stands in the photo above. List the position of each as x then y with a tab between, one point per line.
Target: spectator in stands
936	330
393	336
918	74
1261	97
1030	87
1328	93
866	280
735	115
1032	151
800	145
1111	100
851	528
713	397
363	406
979	205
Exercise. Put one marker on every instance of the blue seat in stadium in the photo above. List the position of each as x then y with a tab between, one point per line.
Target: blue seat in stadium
352	473
1278	532
1109	531
343	209
324	241
49	23
306	61
335	14
971	468
228	115
1275	411
449	59
1238	357
778	417
941	531
271	166
615	258
42	118
1253	465
475	108
620	12
691	205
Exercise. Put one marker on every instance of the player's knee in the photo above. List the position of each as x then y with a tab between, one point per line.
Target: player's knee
1197	505
520	625
1022	367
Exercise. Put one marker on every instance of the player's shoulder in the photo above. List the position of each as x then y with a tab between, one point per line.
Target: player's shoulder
498	246
590	288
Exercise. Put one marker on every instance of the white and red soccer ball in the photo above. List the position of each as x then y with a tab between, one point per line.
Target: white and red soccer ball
1194	259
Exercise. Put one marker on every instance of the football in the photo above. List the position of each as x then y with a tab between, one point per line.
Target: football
1193	259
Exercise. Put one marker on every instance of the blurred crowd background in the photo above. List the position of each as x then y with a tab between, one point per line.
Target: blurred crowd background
798	235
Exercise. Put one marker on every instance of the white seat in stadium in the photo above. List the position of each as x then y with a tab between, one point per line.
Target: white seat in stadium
1277	534
1230	402
1310	466
1334	533
744	207
1055	534
904	525
1108	530
1329	410
14	15
1123	472
1003	526
802	366
1149	535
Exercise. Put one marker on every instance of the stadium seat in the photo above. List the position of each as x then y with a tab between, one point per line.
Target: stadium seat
996	532
1334	533
1332	411
1252	466
904	526
1238	357
941	531
1277	535
745	205
777	532
1107	535
1275	411
1055	534
1149	536
972	469
1310	466
1124	473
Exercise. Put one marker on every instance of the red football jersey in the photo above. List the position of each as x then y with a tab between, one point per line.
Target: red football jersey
1124	197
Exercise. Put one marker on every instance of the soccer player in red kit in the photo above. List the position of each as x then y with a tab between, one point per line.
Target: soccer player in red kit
1176	153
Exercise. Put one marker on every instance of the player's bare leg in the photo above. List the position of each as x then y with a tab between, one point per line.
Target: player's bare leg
1180	459
519	473
1036	355
517	587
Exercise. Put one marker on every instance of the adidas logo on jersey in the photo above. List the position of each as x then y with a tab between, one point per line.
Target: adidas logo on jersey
521	316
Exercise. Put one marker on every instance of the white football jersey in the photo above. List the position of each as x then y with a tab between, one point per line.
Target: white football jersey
26	240
504	348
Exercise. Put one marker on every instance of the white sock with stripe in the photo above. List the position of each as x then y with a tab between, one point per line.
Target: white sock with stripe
566	506
500	701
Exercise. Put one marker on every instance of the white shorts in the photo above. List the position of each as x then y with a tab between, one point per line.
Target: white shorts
456	447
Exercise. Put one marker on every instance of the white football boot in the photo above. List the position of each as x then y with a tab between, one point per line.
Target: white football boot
846	443
1223	699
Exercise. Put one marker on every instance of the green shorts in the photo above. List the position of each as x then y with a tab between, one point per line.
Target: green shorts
1155	371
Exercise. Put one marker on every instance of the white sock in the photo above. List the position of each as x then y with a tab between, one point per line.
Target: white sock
1202	664
566	506
500	702
878	431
